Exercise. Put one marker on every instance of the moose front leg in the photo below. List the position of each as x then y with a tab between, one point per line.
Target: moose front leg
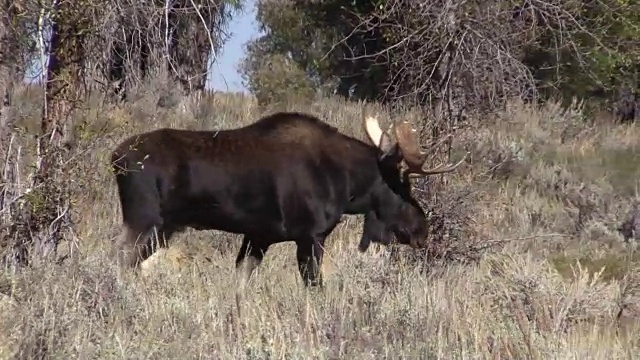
373	231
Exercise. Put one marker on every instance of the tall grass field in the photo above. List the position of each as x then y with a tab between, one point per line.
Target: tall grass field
532	265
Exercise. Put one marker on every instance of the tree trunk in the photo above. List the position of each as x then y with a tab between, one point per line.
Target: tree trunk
64	87
8	190
194	35
8	63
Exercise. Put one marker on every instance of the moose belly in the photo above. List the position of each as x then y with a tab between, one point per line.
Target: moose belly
229	216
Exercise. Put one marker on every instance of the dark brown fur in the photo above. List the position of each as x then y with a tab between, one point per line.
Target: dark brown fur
286	177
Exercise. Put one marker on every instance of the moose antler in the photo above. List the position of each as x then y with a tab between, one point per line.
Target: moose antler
407	138
373	130
414	156
379	137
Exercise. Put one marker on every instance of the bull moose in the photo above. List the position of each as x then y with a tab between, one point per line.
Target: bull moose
286	177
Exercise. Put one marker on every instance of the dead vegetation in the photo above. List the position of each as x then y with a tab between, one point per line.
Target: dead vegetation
527	258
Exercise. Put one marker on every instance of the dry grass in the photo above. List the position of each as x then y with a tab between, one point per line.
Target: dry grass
549	190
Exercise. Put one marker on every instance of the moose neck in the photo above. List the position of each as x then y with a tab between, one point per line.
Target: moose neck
369	190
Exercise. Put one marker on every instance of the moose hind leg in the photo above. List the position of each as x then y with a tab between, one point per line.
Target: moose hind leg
309	255
249	257
134	247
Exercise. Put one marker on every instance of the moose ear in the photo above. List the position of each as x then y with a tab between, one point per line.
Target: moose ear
392	154
386	145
